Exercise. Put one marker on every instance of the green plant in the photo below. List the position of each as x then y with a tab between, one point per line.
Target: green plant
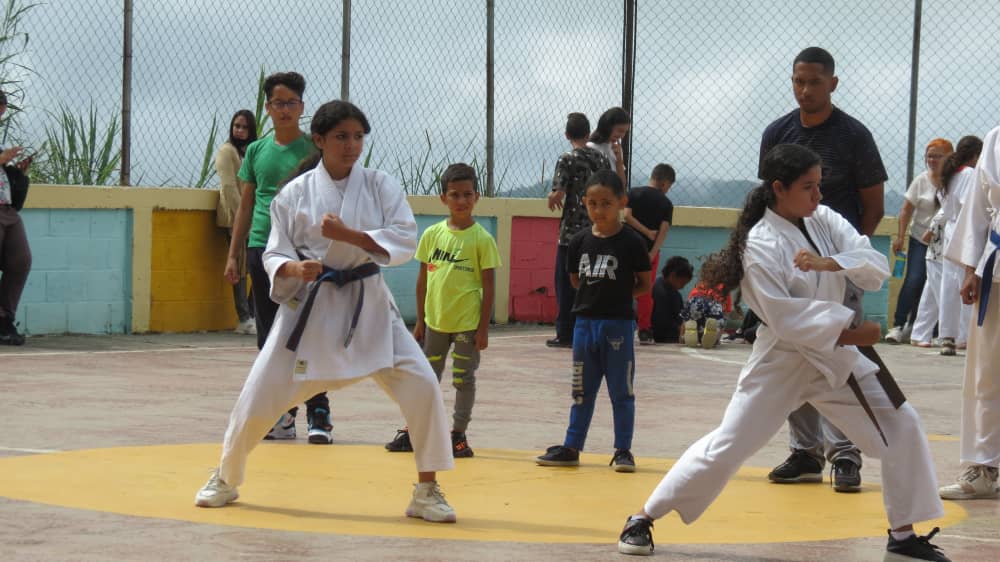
207	160
13	43
261	115
422	175
78	150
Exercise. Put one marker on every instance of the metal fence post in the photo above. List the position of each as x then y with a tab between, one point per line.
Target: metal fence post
489	99
345	53
628	82
911	140
126	160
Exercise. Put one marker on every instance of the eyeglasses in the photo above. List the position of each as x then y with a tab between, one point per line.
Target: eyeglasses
279	105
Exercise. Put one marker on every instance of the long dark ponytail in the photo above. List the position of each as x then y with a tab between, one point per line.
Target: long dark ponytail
785	163
328	116
966	151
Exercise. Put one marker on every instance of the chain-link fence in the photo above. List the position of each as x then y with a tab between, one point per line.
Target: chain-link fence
709	77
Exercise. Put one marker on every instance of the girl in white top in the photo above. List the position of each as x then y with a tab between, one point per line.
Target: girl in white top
957	175
919	207
607	138
792	258
338	222
974	245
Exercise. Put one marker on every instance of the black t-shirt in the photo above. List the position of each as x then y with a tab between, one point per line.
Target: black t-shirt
851	161
666	318
650	207
607	268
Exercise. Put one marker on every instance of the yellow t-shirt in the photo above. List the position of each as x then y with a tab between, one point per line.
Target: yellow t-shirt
455	260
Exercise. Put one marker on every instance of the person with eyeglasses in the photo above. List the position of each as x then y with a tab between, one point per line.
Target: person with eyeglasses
267	164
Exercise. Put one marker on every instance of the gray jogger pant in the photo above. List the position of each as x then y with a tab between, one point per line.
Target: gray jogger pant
464	362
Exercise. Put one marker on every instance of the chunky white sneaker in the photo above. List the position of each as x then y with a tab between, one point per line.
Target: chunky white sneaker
284	428
978	482
895	335
215	492
248	326
428	503
691	333
711	335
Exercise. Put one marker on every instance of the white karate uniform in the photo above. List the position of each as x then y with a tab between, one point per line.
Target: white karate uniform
929	308
953	316
795	359
381	347
970	246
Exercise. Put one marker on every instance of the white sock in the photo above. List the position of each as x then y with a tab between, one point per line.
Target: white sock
902	535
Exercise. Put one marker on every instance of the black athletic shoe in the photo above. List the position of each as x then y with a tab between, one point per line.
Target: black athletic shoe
914	548
798	467
400	443
846	476
623	461
645	337
556	342
636	537
8	333
557	455
320	428
460	445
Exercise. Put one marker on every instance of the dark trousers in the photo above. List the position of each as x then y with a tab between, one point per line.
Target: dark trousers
913	284
565	296
265	310
15	261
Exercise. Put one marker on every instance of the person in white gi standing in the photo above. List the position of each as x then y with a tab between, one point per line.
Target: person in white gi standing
792	258
974	245
332	227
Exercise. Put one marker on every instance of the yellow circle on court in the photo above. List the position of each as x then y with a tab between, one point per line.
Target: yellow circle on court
499	495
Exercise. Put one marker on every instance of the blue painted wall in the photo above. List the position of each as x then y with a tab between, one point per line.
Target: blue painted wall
402	280
81	272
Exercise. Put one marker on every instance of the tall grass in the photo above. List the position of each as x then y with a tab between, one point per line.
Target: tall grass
421	174
13	43
79	150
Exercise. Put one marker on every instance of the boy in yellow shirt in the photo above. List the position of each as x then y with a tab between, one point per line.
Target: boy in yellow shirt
455	291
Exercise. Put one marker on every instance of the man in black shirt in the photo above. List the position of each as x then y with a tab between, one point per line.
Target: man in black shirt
852	185
650	213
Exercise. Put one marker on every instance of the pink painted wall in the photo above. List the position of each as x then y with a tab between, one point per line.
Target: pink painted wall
532	269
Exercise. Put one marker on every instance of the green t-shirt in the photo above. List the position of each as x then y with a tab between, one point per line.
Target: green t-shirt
266	165
455	260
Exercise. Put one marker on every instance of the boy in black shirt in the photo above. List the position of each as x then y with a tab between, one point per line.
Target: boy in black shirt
650	213
668	301
609	266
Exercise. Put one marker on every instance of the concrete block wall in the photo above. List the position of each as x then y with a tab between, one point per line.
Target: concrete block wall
80	273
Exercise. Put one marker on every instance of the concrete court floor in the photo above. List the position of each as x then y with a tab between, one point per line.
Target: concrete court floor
94	392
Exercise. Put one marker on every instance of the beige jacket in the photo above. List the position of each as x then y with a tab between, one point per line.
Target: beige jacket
227	165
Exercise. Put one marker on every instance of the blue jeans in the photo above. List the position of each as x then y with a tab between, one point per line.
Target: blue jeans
602	349
913	284
565	296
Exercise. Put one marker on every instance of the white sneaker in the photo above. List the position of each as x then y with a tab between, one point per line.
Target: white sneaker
248	326
711	335
895	335
978	482
428	503
284	428
691	333
215	492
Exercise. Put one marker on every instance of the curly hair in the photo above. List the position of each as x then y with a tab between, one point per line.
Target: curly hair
784	163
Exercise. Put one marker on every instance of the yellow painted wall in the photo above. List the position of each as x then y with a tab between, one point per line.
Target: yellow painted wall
187	290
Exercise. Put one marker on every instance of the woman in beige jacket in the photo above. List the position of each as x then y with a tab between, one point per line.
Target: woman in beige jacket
242	132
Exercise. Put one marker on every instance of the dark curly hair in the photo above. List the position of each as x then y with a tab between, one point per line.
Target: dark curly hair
327	117
966	151
785	163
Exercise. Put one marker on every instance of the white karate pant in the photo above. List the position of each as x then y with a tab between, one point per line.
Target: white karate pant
981	389
927	312
270	391
764	397
953	316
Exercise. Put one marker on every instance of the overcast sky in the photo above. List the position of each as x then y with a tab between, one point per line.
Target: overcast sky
711	74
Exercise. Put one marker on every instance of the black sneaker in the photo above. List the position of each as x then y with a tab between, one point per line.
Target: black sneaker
846	476
8	333
557	455
914	548
623	461
320	428
556	342
460	445
400	443
636	537
798	467
645	337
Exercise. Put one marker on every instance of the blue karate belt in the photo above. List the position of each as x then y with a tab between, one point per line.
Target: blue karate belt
338	277
986	283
